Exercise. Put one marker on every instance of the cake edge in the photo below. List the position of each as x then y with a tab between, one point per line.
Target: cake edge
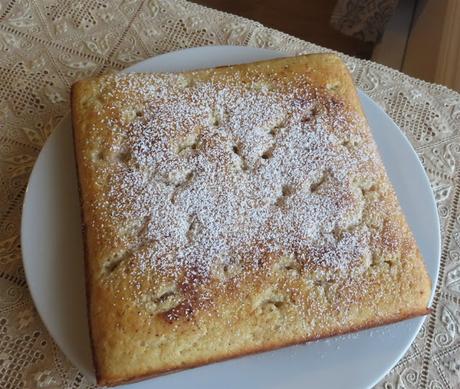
113	381
73	93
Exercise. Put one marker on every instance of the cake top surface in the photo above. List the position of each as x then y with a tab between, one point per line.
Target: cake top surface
215	173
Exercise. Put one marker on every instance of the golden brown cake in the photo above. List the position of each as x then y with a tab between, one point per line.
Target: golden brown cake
234	210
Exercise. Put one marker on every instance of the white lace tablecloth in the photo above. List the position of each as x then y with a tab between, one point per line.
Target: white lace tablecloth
47	45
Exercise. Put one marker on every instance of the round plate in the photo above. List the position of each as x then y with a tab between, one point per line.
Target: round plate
53	260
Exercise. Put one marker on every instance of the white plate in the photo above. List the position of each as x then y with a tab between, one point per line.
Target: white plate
53	260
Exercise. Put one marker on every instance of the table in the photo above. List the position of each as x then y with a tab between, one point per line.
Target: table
47	45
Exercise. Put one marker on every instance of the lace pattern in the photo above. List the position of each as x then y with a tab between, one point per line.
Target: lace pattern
363	19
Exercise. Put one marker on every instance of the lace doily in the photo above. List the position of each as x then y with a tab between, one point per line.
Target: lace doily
47	45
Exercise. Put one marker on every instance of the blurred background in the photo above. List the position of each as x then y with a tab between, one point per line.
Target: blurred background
418	37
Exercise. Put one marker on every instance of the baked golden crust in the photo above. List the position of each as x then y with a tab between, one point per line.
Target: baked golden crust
234	210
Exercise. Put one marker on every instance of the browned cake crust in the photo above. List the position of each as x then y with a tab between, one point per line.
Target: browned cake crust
234	210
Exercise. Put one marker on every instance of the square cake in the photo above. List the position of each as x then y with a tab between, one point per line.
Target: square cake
234	210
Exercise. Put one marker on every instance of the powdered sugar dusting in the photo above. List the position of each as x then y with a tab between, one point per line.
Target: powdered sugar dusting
221	171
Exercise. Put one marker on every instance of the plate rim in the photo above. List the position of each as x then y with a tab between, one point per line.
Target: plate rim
66	120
